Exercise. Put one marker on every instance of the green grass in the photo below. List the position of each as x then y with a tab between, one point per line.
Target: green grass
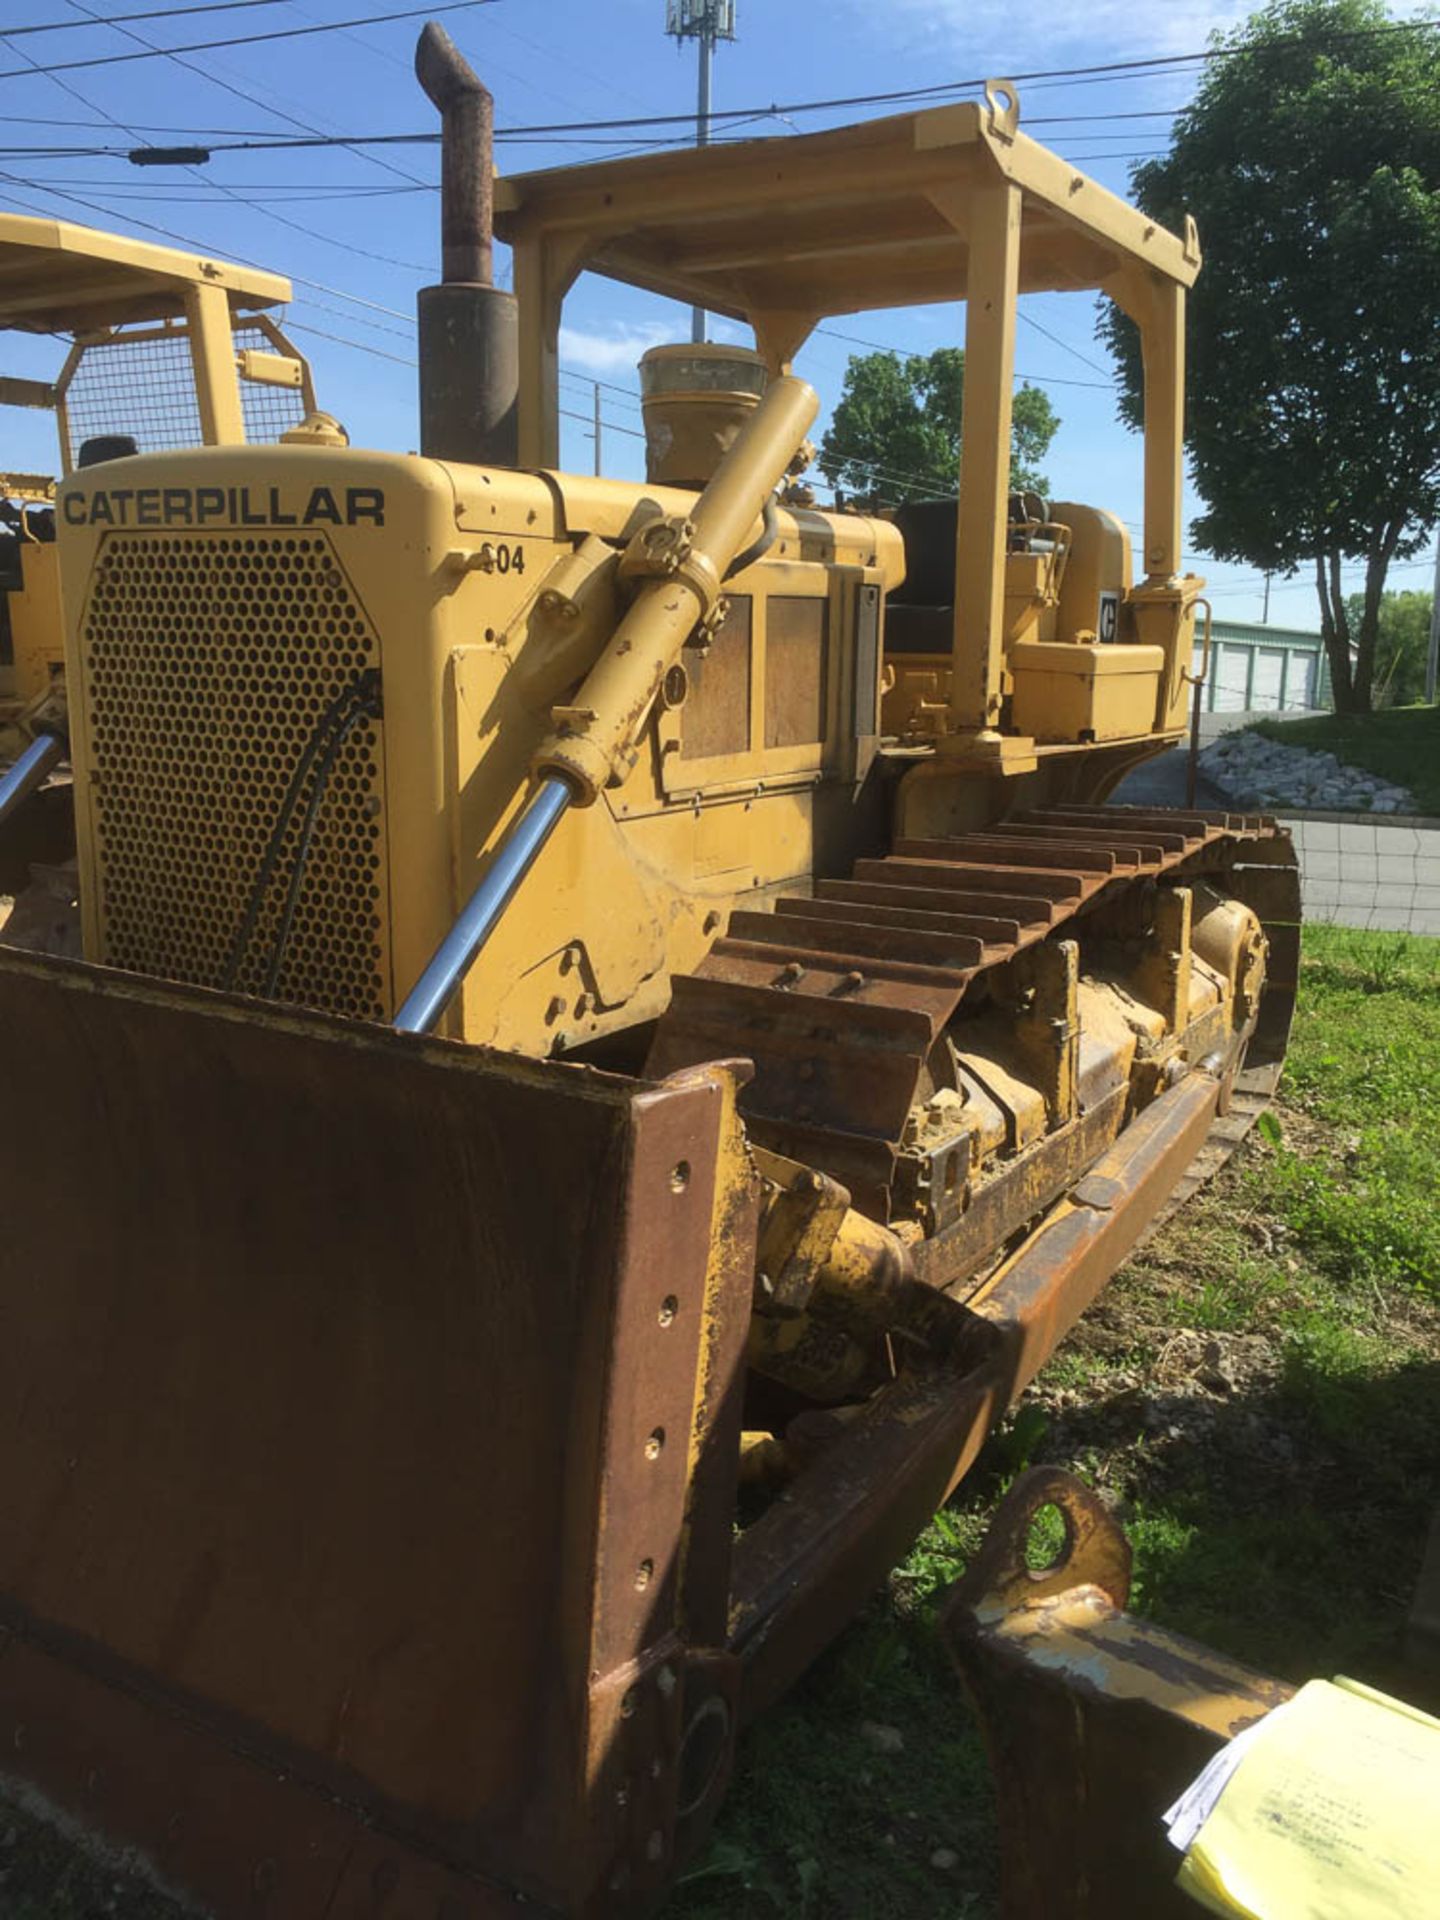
1282	1521
1400	745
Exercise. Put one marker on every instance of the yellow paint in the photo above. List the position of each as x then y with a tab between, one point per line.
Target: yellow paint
528	621
954	203
630	889
35	622
79	281
1069	692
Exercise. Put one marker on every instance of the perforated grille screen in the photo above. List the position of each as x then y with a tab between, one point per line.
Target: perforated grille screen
146	388
211	661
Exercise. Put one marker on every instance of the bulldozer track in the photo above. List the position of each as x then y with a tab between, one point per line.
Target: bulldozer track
838	996
1254	1089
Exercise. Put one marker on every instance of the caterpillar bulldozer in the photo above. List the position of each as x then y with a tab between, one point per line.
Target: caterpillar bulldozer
617	1031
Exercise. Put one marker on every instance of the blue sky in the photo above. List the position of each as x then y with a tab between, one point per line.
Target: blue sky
357	230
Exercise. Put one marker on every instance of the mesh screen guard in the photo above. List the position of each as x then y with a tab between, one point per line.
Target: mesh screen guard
208	660
145	386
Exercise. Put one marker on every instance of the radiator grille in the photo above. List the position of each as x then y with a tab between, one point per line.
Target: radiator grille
210	660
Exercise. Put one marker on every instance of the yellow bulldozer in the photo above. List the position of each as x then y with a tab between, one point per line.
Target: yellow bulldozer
616	1033
163	349
158	349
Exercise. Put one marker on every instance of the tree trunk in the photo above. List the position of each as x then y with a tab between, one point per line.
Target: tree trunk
1335	629
1383	542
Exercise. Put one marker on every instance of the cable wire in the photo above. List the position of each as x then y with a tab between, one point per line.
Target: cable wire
263	206
248	40
1043	76
152	13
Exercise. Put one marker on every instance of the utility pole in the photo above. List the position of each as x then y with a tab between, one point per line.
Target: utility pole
1433	656
598	428
1265	614
705	22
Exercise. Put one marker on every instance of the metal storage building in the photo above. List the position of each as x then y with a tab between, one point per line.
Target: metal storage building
1264	669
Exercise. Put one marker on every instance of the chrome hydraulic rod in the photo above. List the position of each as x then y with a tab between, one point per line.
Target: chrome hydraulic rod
456	953
45	751
679	564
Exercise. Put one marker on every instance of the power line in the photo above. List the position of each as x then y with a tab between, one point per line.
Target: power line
140	126
1040	379
395	314
154	13
73	92
246	40
360	346
631	433
1116	68
1073	119
292	196
188	240
1050	75
623	395
230	193
1084	358
251	99
216	190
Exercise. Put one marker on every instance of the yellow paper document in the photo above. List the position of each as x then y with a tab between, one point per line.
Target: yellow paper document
1333	1813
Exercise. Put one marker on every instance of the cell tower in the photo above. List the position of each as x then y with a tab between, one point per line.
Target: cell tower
704	21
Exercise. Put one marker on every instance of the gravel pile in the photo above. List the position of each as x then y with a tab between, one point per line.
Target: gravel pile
1256	772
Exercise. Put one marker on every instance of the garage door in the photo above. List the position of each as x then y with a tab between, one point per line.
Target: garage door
1229	670
1269	676
1303	684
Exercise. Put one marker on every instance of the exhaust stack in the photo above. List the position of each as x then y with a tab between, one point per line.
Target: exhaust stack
469	330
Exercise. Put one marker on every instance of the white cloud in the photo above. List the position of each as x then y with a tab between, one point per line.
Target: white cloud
982	34
1103	29
616	349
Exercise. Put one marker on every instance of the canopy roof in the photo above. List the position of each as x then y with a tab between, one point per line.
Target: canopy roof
58	278
841	221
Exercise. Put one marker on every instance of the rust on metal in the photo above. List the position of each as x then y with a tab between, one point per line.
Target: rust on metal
1095	1721
329	1257
467	183
805	1566
799	989
305	1275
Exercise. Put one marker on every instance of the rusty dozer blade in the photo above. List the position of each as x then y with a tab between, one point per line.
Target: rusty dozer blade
356	1410
370	1422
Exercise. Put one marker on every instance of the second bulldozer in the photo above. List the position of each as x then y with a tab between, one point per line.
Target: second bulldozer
594	992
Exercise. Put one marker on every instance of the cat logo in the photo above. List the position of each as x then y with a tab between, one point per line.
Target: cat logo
1108	624
224	506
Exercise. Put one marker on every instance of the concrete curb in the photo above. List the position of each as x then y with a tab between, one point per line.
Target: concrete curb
1424	821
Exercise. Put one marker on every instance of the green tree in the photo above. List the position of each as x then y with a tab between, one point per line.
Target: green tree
895	434
1402	642
1310	157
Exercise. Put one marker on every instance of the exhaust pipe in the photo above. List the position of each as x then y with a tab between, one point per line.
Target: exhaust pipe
469	329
